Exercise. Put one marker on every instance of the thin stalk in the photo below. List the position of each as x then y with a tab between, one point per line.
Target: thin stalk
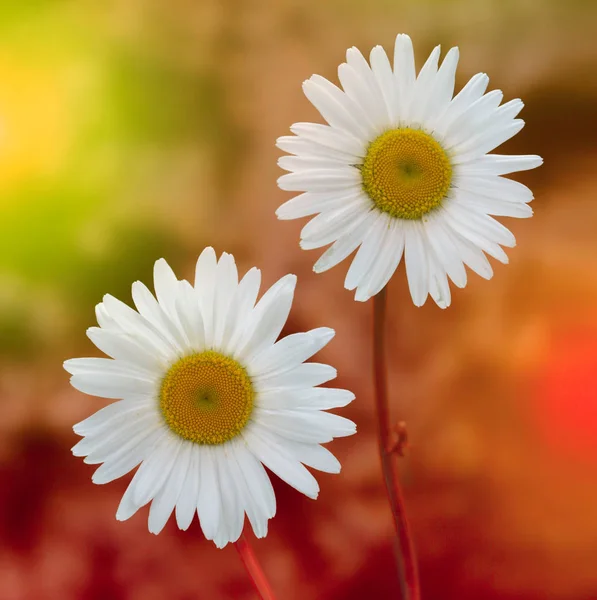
406	558
247	555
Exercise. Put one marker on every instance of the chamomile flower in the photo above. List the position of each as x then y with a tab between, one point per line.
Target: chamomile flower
205	397
402	168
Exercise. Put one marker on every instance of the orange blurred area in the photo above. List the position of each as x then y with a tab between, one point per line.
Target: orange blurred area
133	130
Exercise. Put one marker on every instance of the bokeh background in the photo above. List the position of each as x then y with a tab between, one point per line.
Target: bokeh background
131	130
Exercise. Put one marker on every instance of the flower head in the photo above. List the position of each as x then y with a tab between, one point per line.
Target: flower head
206	397
402	168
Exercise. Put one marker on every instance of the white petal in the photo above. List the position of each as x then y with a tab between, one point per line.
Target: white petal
474	226
506	112
478	239
368	253
104	320
404	72
416	262
382	71
331	225
470	93
497	164
113	386
423	88
106	367
311	398
248	503
498	208
156	468
321	180
470	120
241	308
346	243
310	203
258	481
100	446
128	507
360	118
128	456
152	335
166	285
186	505
314	146
369	100
267	319
165	501
231	521
226	284
497	188
304	375
445	251
472	256
189	312
108	416
486	141
276	458
314	456
329	137
289	352
386	263
125	349
310	426
209	505
205	281
309	162
443	89
173	340
439	288
332	110
486	123
338	215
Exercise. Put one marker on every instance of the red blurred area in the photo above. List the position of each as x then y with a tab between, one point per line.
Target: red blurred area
566	395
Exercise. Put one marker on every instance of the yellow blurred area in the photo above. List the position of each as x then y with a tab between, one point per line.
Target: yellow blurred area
132	130
35	125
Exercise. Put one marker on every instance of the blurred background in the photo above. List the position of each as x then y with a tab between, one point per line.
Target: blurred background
132	130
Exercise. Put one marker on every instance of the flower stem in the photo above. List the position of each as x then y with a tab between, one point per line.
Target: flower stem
254	569
406	559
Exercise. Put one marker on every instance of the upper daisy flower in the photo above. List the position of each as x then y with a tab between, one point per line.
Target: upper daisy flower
403	167
206	397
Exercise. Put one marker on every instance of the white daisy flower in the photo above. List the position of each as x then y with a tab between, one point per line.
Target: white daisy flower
403	167
206	397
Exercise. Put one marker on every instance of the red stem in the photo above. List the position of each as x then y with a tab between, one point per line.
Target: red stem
254	569
405	558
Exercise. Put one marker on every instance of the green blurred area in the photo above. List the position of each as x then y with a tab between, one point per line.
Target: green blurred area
87	106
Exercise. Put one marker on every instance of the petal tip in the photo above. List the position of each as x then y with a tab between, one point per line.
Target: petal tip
361	296
328	332
207	252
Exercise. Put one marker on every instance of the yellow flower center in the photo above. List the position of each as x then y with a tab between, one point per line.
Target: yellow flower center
406	173
206	398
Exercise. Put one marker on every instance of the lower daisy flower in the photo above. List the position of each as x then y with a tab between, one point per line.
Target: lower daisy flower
403	168
206	397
